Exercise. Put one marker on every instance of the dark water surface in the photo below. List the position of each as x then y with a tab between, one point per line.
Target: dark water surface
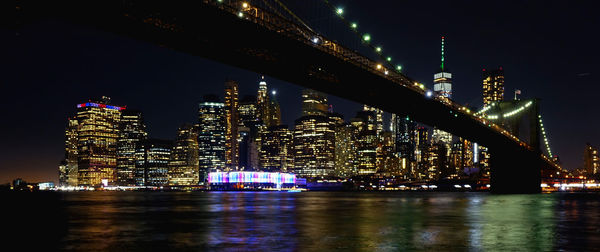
325	221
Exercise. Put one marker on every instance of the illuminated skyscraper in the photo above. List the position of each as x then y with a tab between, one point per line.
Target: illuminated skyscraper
365	123
274	118
493	86
276	152
314	103
442	86
184	163
232	123
248	111
97	135
591	160
442	81
314	146
71	158
152	162
262	101
346	150
211	135
131	131
378	118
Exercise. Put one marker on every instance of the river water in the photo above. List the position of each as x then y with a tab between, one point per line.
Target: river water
325	221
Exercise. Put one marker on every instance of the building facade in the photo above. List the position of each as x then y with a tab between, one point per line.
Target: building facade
211	135
232	123
132	130
97	136
493	86
184	164
152	162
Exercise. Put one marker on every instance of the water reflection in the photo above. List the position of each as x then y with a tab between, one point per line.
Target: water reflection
330	221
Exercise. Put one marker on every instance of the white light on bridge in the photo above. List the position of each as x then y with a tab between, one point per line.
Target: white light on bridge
315	40
429	93
339	11
367	37
245	5
274	92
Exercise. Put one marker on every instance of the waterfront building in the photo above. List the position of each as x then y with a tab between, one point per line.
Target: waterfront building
276	152
231	125
493	86
184	164
250	180
63	173
97	135
211	135
132	130
70	173
365	123
591	160
314	146
346	150
152	158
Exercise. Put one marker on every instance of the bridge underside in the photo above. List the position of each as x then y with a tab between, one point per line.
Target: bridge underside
206	31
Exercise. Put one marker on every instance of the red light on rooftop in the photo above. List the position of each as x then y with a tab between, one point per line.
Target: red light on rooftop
484	69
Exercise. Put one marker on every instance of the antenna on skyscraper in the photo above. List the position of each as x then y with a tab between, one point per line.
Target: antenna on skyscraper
442	66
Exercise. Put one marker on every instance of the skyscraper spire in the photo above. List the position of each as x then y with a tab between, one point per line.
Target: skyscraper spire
442	66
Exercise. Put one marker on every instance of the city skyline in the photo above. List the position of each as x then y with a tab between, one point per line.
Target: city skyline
549	109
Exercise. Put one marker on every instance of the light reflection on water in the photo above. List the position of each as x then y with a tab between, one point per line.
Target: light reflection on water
330	221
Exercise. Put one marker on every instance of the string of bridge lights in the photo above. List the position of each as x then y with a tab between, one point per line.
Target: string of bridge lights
365	37
544	136
507	114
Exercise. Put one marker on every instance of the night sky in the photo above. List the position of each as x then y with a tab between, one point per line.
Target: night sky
547	49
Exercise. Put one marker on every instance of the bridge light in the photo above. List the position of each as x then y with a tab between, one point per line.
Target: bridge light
315	40
367	37
354	25
429	93
274	92
386	72
389	58
339	11
245	5
378	66
240	14
399	67
378	49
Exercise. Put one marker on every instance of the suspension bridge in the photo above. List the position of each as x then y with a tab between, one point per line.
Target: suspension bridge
266	36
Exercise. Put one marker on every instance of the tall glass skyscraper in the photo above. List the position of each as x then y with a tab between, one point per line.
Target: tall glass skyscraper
211	135
132	130
232	123
97	135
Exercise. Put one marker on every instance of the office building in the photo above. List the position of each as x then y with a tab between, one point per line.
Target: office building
346	150
232	123
276	152
184	164
97	135
493	86
152	158
211	135
314	103
366	125
132	130
314	146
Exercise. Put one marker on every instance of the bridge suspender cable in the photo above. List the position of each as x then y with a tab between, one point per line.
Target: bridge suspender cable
289	12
